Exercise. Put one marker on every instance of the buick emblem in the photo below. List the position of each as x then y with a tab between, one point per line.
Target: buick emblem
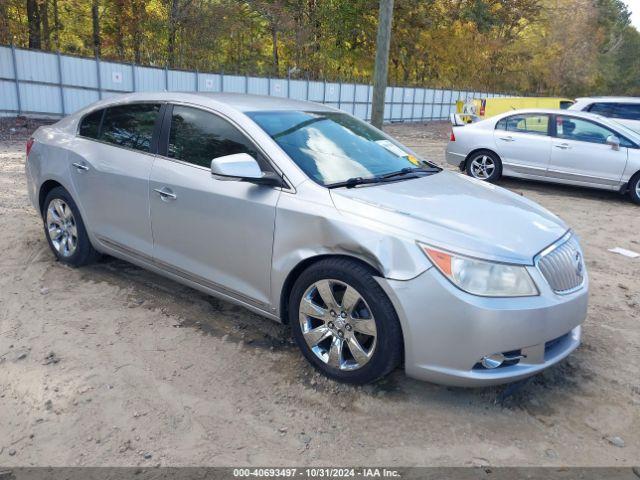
578	264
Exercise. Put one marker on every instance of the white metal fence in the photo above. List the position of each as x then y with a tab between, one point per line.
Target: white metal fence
48	84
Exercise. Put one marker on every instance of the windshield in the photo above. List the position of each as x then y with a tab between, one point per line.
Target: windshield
333	147
626	130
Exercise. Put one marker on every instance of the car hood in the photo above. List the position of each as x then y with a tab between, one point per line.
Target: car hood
457	213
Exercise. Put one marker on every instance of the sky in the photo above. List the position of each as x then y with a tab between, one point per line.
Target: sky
634	8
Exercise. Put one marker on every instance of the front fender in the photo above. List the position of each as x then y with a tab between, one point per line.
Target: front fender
308	227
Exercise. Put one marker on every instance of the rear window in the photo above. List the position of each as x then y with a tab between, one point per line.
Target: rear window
130	126
90	125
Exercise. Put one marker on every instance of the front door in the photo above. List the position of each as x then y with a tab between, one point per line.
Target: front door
580	153
215	232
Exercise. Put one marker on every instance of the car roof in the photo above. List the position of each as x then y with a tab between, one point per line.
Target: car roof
551	111
611	123
609	99
238	101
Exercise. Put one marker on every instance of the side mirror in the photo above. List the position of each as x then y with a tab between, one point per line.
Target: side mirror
614	142
245	168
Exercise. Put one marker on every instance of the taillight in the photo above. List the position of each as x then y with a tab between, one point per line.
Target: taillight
452	138
29	145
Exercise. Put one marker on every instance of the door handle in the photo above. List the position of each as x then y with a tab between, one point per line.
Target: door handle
165	193
507	139
80	166
563	146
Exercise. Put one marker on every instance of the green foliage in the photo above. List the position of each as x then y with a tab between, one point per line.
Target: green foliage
558	47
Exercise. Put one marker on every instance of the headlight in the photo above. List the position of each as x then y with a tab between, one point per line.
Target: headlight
480	277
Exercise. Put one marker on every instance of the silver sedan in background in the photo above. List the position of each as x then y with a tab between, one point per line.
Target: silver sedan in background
561	146
309	216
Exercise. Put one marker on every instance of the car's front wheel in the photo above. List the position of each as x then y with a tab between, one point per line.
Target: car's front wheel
344	323
65	230
484	165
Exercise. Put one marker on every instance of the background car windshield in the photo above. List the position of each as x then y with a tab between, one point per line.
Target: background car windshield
333	147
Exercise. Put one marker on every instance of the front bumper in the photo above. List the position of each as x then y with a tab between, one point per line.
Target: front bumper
447	331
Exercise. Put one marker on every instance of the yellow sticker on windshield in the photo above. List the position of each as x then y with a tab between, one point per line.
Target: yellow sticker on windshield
413	159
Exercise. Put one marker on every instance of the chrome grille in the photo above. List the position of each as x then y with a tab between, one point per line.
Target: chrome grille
563	266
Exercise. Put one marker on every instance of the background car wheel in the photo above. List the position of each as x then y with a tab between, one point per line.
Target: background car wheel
634	188
484	165
65	229
344	323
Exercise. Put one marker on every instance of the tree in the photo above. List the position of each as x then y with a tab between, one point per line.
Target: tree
33	19
558	47
56	24
276	15
44	17
5	35
137	19
382	61
95	22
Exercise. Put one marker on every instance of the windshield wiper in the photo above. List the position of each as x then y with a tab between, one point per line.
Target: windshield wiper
354	182
408	170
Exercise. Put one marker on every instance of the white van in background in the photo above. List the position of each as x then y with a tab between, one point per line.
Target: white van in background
625	110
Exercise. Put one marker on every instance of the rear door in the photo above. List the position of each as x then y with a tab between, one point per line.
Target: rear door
523	143
581	154
111	163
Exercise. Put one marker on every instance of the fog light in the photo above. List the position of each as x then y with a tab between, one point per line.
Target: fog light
492	361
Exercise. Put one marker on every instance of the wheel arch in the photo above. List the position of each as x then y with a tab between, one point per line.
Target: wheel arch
633	178
626	188
44	190
478	150
295	273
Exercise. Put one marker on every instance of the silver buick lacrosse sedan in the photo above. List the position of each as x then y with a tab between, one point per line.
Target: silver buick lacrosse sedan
311	217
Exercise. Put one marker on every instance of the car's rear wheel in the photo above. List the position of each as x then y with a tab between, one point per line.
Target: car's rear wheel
344	323
634	188
484	165
65	230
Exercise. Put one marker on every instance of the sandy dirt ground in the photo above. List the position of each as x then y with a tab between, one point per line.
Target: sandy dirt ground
113	365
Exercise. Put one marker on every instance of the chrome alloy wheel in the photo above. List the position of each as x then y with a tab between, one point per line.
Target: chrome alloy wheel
61	226
638	188
482	167
337	325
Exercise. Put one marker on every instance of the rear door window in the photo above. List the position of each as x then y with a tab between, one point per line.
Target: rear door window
537	124
600	108
626	111
90	125
130	126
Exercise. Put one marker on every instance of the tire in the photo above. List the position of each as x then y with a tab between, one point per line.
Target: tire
484	165
634	188
372	322
65	230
